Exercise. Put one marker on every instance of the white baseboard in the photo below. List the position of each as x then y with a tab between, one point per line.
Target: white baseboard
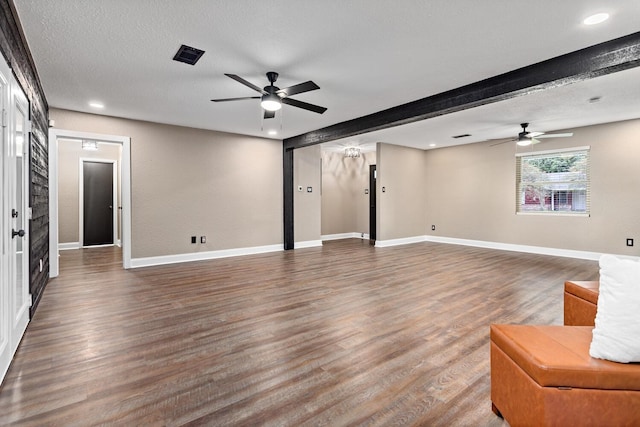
202	256
397	242
119	243
566	253
68	246
307	244
540	250
327	237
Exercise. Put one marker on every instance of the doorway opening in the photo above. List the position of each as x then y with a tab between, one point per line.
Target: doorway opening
372	204
58	137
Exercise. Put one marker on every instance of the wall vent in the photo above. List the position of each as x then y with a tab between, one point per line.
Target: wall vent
188	55
464	135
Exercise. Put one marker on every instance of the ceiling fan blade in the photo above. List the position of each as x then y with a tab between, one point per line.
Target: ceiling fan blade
236	99
534	141
269	114
534	134
502	142
299	88
555	135
246	83
304	105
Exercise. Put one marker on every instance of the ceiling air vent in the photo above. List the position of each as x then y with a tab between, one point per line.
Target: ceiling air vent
464	135
188	55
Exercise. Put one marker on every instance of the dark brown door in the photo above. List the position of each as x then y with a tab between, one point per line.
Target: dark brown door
98	203
372	203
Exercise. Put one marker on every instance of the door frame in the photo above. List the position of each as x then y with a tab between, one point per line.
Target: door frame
13	319
373	204
115	210
125	188
6	352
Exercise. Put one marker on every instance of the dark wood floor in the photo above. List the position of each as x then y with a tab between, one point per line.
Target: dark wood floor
341	335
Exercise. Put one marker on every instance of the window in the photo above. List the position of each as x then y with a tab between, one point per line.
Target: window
553	182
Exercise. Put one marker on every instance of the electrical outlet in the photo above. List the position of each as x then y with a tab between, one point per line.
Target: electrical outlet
203	239
193	239
433	228
629	242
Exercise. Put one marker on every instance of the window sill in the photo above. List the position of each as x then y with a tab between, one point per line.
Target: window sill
578	215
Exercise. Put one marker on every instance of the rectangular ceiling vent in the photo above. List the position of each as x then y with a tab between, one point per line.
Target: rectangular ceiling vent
464	135
188	55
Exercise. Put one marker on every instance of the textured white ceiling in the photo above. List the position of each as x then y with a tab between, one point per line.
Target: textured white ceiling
366	55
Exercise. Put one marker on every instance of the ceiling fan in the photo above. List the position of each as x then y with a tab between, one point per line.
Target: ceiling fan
525	138
272	97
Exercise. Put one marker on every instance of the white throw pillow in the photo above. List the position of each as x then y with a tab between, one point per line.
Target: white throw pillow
616	335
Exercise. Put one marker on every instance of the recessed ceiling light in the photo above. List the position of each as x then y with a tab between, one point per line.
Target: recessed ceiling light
96	104
596	19
432	145
273	132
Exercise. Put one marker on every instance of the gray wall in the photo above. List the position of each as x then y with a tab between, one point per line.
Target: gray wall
345	206
188	182
306	206
470	193
401	207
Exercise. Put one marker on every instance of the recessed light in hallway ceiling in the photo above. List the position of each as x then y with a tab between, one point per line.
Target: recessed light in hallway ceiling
598	18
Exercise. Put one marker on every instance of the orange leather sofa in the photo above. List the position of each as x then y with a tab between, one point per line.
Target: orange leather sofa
580	302
544	376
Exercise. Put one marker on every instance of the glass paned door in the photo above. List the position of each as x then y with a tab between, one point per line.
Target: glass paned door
18	194
6	350
14	276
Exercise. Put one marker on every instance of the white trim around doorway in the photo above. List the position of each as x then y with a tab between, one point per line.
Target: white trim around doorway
54	136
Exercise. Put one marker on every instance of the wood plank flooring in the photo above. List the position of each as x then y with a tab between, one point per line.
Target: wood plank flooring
343	335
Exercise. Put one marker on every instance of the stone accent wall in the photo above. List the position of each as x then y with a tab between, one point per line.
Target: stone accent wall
15	51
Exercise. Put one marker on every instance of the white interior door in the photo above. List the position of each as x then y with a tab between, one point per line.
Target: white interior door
6	352
19	200
15	231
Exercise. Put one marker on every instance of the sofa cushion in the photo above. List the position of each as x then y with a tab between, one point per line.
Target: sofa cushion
616	335
580	299
587	290
558	356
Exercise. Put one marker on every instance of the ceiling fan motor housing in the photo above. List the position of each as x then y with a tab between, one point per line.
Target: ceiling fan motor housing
272	76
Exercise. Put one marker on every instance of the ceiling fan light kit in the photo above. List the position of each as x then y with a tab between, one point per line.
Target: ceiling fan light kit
273	97
271	102
524	142
525	138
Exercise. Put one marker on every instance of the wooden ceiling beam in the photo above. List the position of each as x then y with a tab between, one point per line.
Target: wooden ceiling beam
594	61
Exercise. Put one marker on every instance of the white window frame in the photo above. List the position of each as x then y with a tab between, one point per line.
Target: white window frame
530	154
